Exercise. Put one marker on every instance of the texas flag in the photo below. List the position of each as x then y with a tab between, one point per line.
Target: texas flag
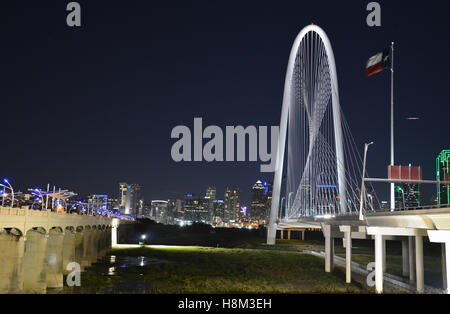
378	62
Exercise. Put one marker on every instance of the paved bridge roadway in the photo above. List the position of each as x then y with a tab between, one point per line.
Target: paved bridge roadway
37	246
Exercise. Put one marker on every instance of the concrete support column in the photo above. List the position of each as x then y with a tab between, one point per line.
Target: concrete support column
348	252
444	266
289	234
443	236
79	248
405	258
86	259
101	244
412	259
12	248
419	264
282	234
68	252
54	272
447	266
109	233
379	252
114	235
87	247
35	262
105	236
303	235
329	248
94	245
271	234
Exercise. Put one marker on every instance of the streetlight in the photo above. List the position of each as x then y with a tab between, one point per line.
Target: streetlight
12	192
363	195
3	192
39	192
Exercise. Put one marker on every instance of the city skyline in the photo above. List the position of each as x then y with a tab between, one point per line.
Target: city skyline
225	154
114	124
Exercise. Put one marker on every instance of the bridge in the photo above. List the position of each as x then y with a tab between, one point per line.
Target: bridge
325	174
37	247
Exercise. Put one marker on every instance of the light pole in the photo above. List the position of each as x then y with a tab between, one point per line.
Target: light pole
4	194
363	194
39	192
403	197
12	192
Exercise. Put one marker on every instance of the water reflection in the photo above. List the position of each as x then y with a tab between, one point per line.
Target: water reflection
120	271
128	261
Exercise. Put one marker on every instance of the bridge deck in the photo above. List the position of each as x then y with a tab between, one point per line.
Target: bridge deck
428	219
26	219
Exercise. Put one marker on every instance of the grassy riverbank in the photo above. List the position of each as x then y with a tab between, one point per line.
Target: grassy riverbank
216	270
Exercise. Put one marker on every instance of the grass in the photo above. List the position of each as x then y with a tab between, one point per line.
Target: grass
237	261
217	270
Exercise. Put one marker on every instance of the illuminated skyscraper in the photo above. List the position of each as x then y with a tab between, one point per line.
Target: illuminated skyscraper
195	209
219	207
131	201
210	197
123	187
232	205
211	192
442	174
159	211
258	210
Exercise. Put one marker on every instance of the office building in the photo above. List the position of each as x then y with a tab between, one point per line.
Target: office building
258	209
442	174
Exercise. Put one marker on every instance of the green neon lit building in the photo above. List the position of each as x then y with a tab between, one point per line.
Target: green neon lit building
407	195
442	174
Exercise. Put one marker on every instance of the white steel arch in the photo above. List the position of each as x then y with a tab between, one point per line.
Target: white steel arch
287	101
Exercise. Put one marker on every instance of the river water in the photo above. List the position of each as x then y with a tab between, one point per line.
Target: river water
120	274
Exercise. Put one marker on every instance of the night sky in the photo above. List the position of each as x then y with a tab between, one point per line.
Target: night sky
85	108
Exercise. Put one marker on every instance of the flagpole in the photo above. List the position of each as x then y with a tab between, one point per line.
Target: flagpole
392	125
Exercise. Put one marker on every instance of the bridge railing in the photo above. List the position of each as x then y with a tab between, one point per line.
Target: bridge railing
8	211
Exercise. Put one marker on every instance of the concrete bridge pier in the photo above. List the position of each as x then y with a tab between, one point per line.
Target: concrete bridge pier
379	258
87	240
101	243
115	237
329	248
93	247
106	245
54	271
405	258
347	230
443	236
79	240
35	261
444	267
415	238
68	249
412	259
12	247
420	285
